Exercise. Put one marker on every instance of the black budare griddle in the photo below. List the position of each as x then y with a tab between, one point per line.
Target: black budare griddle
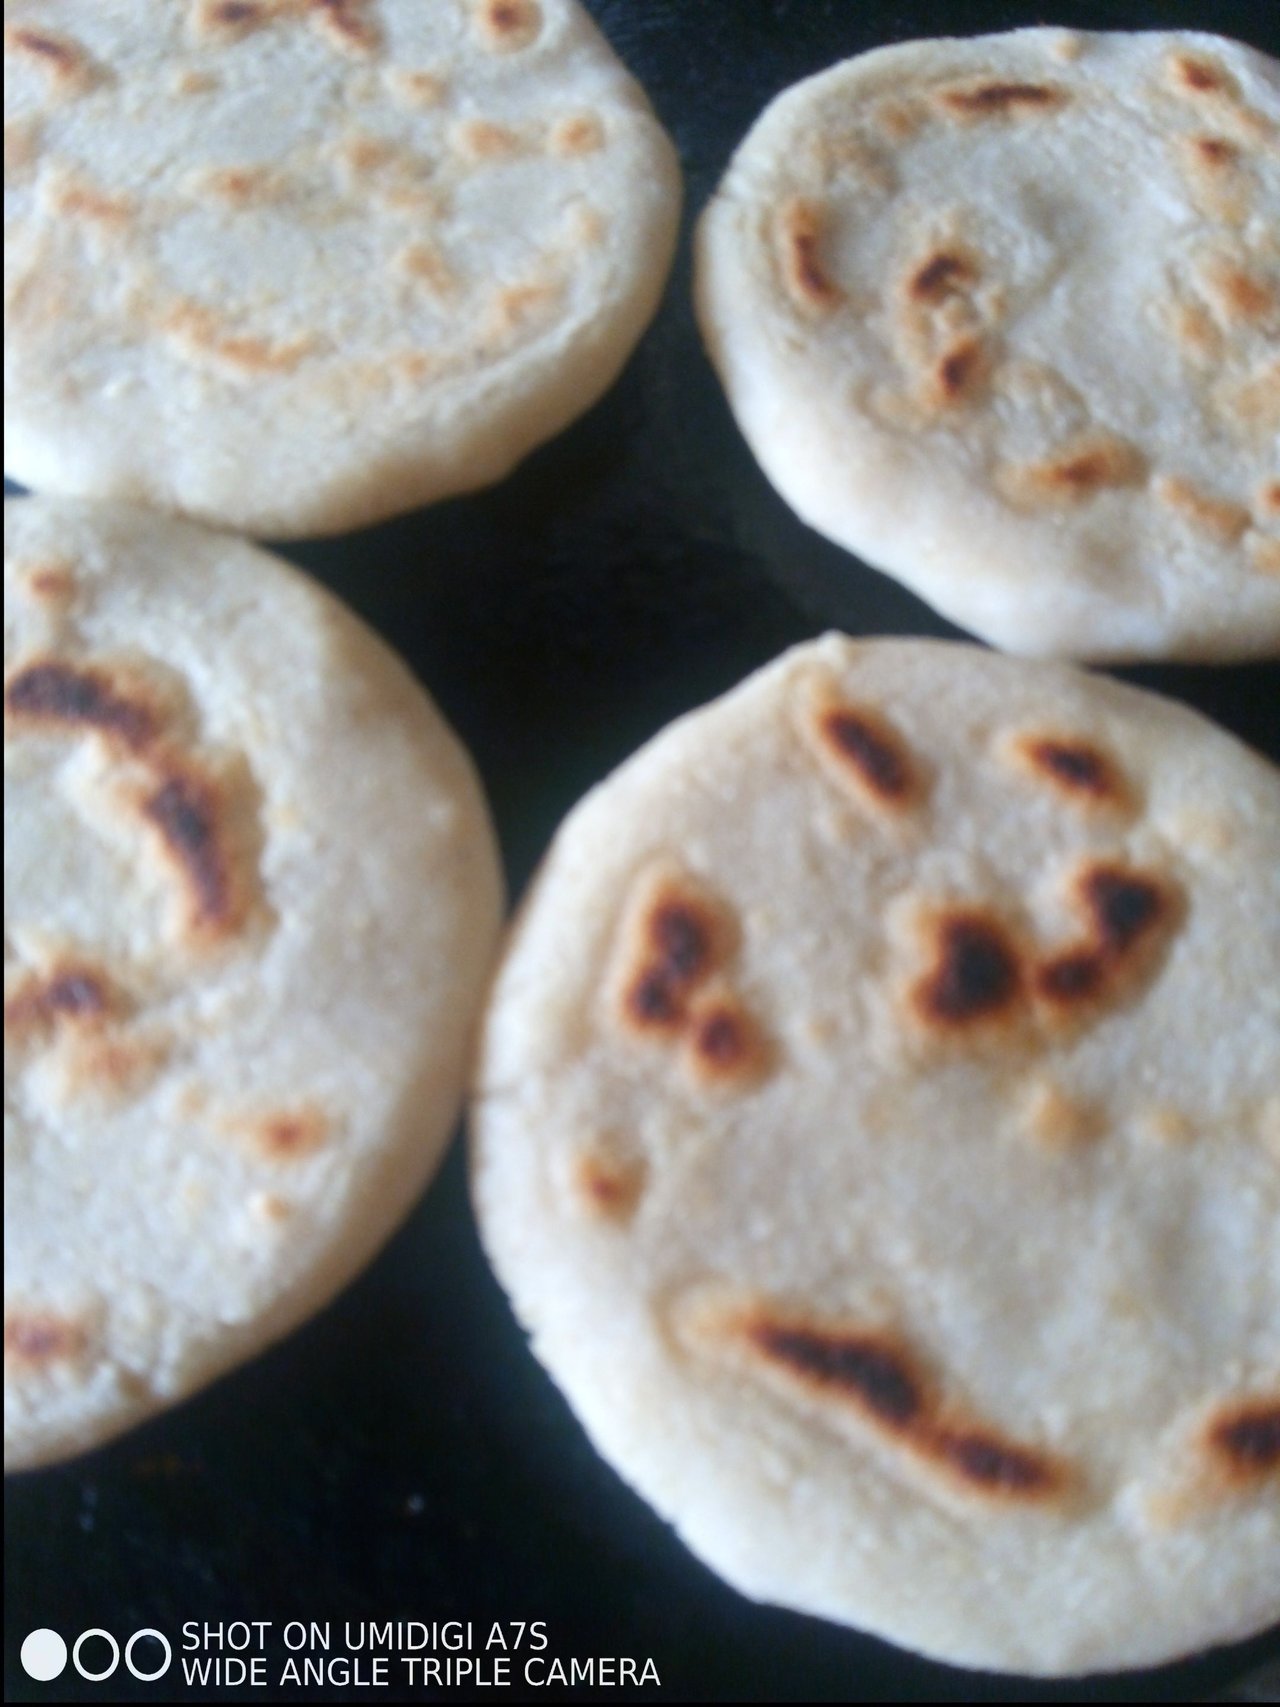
403	1457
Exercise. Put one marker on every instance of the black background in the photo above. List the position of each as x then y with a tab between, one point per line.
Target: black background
403	1456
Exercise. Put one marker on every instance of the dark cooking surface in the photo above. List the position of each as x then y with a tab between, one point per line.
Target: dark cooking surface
403	1456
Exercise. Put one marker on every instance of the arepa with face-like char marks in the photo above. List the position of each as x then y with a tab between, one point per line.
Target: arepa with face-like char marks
877	1132
251	904
291	266
1002	316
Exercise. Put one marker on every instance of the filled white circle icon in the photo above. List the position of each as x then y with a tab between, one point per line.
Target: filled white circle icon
44	1655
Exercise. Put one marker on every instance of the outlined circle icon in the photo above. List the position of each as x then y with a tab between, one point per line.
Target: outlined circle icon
95	1676
43	1655
148	1676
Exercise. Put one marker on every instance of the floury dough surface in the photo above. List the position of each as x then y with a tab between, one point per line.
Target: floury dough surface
877	1133
1002	316
251	903
291	266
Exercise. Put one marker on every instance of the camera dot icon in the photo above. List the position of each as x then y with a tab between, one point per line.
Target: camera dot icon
44	1655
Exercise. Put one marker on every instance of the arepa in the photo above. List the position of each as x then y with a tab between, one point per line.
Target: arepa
251	901
290	266
1002	316
878	1133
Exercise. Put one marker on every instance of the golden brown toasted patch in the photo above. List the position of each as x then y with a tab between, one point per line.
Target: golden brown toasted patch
580	133
53	694
1056	1121
240	186
66	63
38	1339
348	25
202	335
798	233
1263	551
76	198
482	140
861	752
506	25
1243	1439
286	1135
987	98
724	1048
70	992
975	980
427	266
608	1183
50	581
1237	295
1214	169
1076	767
1267	500
1079	470
871	1377
1217	517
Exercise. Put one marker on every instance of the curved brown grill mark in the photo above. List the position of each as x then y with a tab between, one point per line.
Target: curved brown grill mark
940	275
976	976
1000	100
34	1339
185	810
800	230
873	1375
50	692
1245	1439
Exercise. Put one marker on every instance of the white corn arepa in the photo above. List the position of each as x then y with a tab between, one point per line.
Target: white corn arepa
291	266
251	902
1002	316
878	1133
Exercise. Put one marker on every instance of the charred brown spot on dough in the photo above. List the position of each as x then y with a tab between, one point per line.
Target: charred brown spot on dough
861	744
1205	512
186	812
73	992
1065	980
1127	907
36	1339
941	274
506	25
52	694
976	974
348	24
870	1371
958	373
1245	1439
800	229
1195	76
990	1465
725	1048
1076	472
580	133
231	18
972	101
609	1185
1078	769
65	61
1268	499
681	935
288	1134
654	1003
1215	152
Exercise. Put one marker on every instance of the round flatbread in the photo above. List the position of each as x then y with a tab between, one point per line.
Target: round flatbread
251	901
1003	317
291	266
878	1134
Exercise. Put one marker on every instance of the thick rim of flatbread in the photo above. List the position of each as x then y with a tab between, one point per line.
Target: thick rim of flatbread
356	258
252	900
1001	315
876	1132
